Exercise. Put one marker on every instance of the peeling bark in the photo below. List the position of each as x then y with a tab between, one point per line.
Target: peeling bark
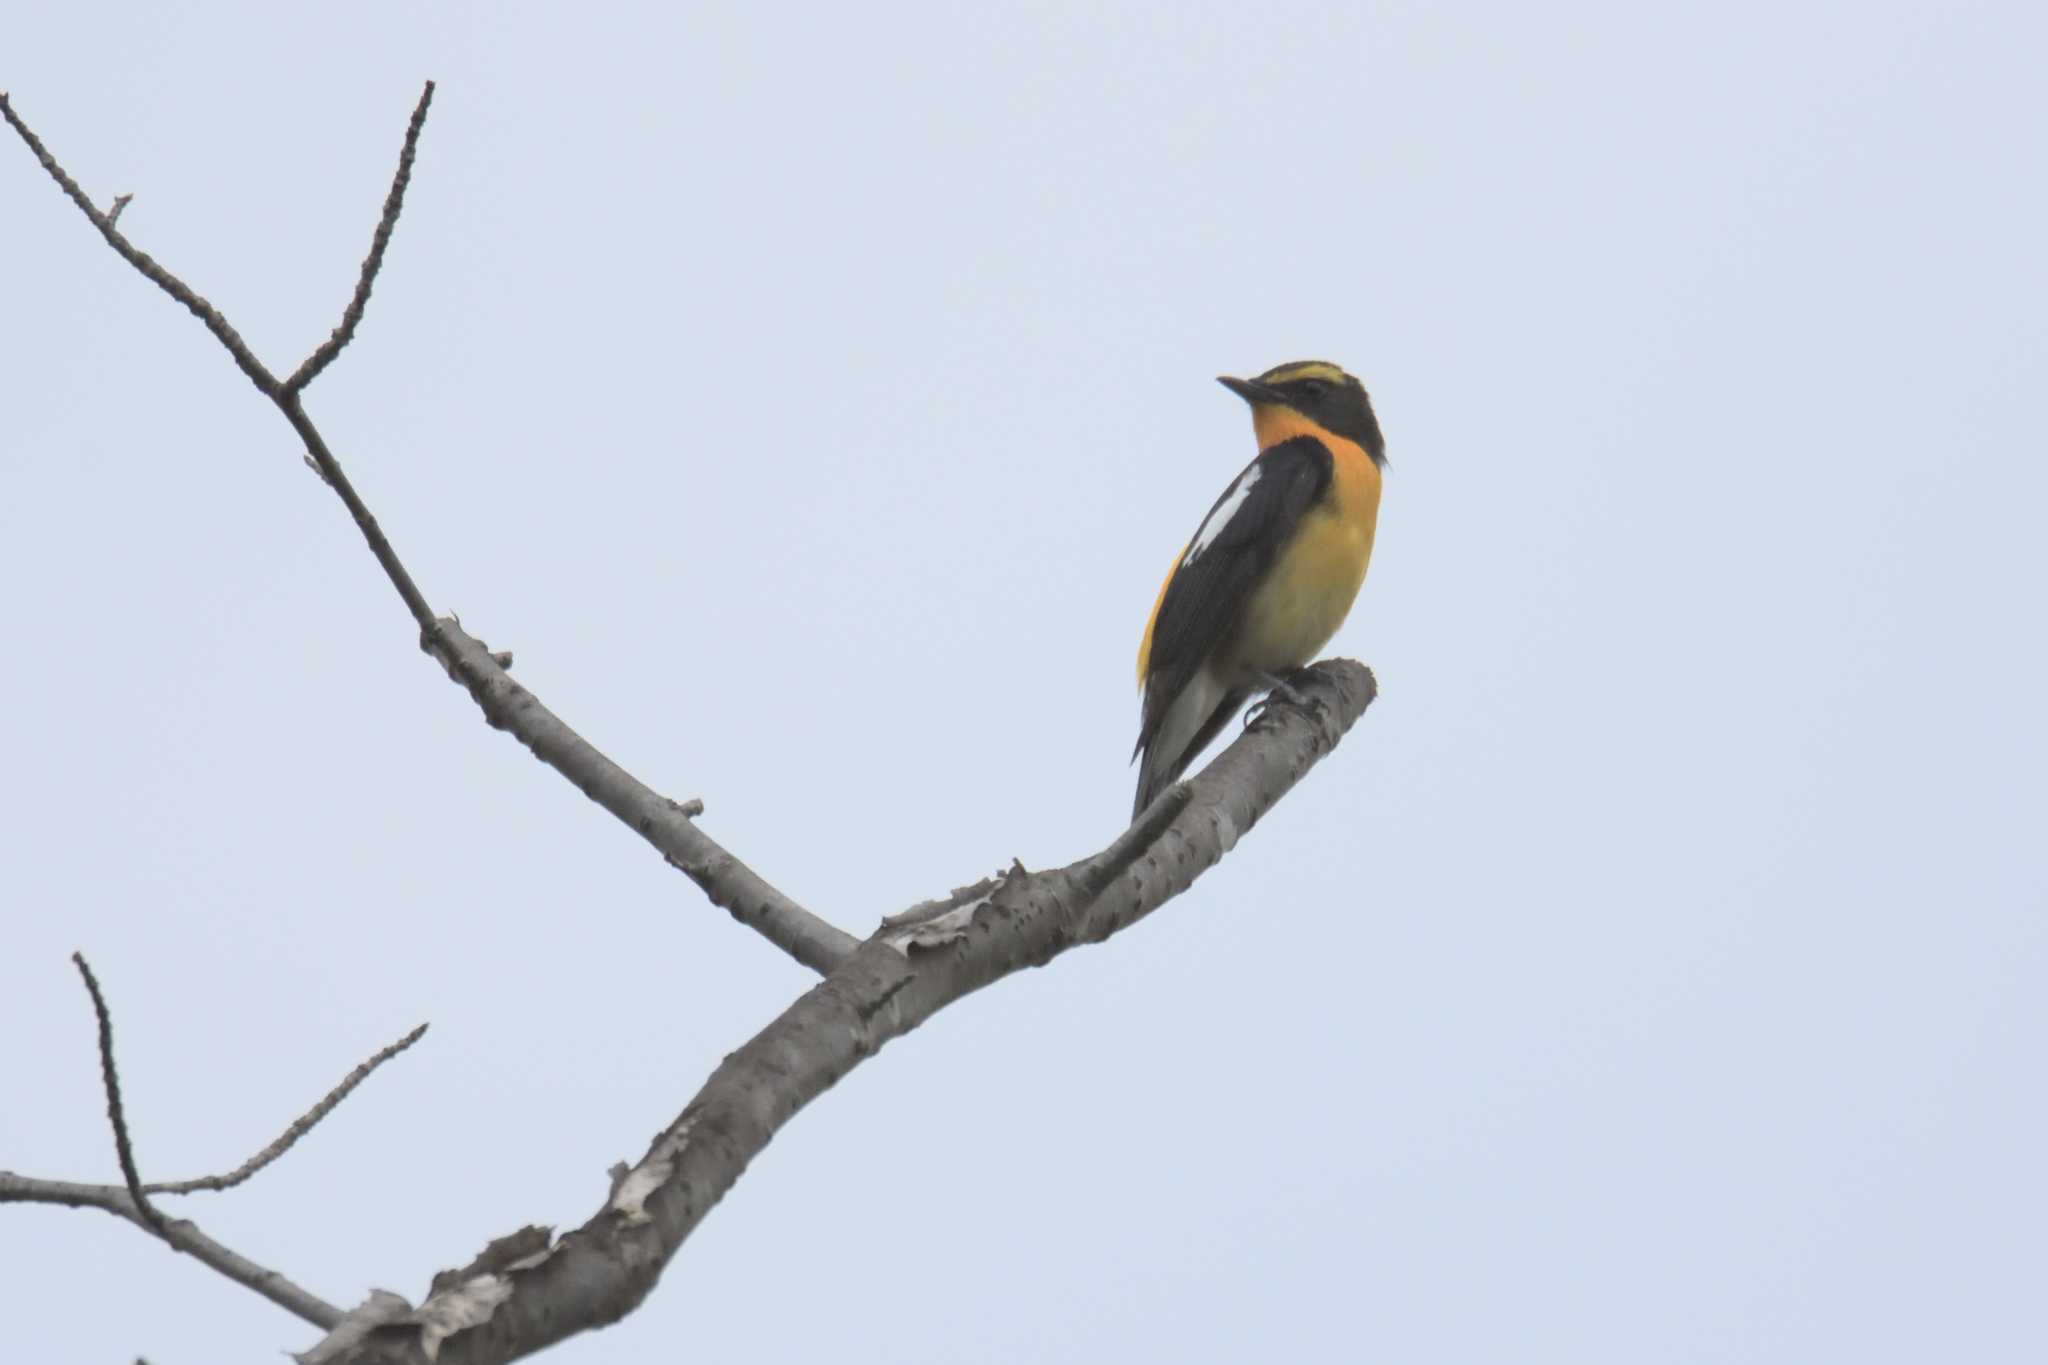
913	966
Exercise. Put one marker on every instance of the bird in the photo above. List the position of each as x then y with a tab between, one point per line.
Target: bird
1270	573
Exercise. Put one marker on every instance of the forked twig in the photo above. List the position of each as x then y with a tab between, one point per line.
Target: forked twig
131	1202
729	883
123	1149
181	1233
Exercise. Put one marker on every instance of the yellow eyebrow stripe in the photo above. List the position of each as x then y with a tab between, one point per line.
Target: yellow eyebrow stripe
1307	369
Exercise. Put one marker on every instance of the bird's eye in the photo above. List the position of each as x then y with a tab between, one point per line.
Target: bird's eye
1313	389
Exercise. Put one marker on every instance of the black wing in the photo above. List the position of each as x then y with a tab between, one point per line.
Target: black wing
1228	557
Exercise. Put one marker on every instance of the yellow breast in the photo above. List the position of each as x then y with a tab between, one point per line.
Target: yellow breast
1310	588
1308	593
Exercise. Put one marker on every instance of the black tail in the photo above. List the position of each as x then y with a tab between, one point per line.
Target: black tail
1158	769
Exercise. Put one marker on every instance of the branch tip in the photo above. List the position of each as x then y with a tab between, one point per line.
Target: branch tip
300	1126
245	359
394	202
111	1080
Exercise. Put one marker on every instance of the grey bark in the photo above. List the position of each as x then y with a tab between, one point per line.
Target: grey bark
526	1292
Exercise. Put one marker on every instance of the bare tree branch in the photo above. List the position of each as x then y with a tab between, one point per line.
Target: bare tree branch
130	1202
915	965
330	471
729	883
111	1079
181	1233
300	1126
528	1291
141	260
352	316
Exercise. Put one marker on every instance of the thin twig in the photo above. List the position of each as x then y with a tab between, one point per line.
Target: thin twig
142	261
181	1233
393	202
728	882
112	1081
294	410
301	1125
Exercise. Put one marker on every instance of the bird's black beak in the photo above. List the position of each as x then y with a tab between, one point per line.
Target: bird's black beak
1250	390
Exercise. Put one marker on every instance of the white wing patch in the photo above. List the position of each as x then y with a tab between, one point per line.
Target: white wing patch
1220	518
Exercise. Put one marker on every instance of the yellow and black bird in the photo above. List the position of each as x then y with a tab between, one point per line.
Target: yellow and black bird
1271	571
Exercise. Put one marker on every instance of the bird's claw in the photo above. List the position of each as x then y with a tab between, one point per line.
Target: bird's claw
1278	692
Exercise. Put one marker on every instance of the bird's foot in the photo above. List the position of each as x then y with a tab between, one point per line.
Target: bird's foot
1279	692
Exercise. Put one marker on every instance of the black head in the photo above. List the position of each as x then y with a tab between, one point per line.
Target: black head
1321	392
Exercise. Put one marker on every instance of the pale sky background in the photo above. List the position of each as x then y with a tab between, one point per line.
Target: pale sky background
812	397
